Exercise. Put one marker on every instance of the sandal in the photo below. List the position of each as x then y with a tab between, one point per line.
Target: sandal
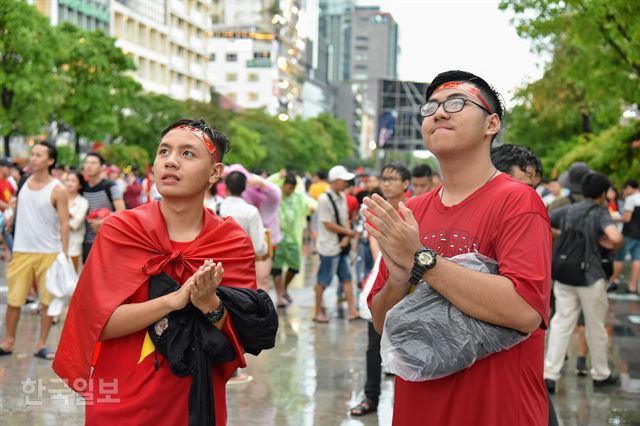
364	408
45	353
321	319
5	352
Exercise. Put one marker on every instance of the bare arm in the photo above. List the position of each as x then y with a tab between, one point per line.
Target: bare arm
375	248
486	297
118	205
337	229
61	203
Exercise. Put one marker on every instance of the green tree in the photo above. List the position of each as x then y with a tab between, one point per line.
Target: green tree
30	88
245	146
146	117
126	155
95	70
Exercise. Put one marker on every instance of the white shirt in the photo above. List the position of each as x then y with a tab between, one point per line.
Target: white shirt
248	217
328	243
78	208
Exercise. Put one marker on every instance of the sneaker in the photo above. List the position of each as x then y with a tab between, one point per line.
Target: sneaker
551	385
613	379
581	366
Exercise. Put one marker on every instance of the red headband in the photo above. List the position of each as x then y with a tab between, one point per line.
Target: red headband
204	138
466	87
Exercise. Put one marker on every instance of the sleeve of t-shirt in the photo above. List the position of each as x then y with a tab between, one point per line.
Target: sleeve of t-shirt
605	219
325	210
116	193
557	216
523	253
630	204
381	279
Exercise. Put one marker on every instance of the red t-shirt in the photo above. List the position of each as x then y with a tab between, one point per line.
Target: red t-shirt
6	191
352	204
506	221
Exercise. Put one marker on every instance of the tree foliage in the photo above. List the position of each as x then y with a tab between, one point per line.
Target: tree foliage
593	74
146	117
30	88
126	155
95	70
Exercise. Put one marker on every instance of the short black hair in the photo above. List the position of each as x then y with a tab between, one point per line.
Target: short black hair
632	183
504	157
98	156
490	94
52	153
322	174
219	139
404	173
421	170
290	179
595	184
236	183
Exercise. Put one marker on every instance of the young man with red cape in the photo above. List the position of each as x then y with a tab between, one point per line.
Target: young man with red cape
105	352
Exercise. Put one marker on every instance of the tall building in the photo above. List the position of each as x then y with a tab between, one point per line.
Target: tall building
88	14
374	56
167	40
335	25
258	54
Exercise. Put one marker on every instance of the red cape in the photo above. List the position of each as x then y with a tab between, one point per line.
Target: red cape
131	246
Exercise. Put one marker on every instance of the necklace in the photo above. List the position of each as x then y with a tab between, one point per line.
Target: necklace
491	177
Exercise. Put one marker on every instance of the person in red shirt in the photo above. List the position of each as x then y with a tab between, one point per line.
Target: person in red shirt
111	312
475	210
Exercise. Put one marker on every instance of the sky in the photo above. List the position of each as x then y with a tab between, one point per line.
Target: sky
471	35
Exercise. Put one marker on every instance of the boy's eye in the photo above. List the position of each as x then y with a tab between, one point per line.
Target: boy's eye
188	154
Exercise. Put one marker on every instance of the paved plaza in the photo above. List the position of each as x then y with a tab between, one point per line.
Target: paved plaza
316	373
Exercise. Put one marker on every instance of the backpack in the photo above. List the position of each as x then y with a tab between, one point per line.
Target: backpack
570	261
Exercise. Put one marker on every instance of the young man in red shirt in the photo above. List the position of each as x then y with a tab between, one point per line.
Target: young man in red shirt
475	210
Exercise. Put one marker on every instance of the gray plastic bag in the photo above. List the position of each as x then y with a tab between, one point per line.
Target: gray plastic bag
425	337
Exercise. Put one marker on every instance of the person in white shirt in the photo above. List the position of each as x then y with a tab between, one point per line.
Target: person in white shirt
78	207
247	216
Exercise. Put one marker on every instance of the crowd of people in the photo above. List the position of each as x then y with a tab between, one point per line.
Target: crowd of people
371	231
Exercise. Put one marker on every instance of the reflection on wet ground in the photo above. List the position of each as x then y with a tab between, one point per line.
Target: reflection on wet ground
317	372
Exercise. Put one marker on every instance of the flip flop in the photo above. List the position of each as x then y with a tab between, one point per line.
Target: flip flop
365	407
320	320
5	352
45	353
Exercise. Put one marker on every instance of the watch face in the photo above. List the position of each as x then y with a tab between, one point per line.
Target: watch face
425	258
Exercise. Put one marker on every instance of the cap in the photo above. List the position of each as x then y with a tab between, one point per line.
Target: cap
572	178
340	173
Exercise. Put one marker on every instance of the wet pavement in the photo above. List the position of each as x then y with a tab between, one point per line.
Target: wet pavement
317	372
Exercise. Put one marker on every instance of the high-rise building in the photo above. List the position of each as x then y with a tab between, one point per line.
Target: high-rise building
335	24
374	56
89	14
258	54
167	41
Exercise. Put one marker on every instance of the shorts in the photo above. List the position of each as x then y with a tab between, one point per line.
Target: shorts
631	246
23	269
286	254
332	265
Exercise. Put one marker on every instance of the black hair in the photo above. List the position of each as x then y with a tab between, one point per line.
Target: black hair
219	139
236	183
632	183
490	94
52	154
290	179
98	156
404	173
595	184
504	157
322	174
80	177
421	170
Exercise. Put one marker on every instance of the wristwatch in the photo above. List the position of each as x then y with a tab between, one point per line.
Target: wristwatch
216	315
423	260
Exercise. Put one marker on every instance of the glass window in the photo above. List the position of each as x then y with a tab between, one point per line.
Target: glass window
231	76
252	76
252	97
232	57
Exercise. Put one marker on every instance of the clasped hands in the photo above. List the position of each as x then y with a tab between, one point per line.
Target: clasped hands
397	235
200	288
